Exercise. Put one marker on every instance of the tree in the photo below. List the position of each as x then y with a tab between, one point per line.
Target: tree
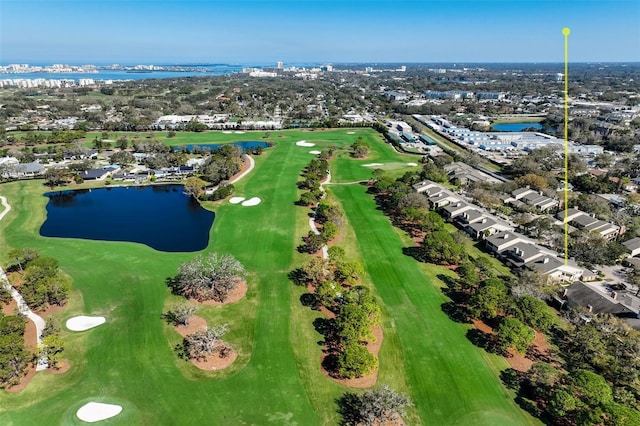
21	257
591	388
201	344
312	243
193	186
535	313
54	176
487	302
328	293
353	324
355	361
511	333
382	406
534	181
329	231
440	248
213	277
14	359
122	143
561	403
51	349
180	314
122	158
359	149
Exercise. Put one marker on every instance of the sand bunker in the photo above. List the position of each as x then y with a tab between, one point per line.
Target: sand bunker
252	202
315	152
227	132
238	132
305	143
83	323
372	165
351	133
412	164
236	200
95	411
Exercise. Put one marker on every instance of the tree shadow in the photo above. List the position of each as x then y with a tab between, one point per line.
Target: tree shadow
330	363
324	326
414	252
511	378
174	285
182	350
455	312
481	339
349	408
309	300
298	276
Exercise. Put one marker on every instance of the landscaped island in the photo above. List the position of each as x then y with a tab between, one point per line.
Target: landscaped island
426	365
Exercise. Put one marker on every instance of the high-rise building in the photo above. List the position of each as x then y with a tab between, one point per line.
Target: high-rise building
279	65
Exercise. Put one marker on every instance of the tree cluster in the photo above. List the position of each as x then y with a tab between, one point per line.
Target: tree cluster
43	283
334	282
14	358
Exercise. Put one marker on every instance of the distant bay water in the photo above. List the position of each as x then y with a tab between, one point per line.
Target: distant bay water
125	75
205	70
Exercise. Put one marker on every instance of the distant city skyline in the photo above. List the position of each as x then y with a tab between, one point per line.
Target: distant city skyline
329	31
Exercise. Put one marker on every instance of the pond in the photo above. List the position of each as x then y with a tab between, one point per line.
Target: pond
246	145
160	216
515	127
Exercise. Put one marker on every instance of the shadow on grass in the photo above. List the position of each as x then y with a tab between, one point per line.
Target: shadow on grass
455	312
481	339
414	252
349	408
324	326
309	300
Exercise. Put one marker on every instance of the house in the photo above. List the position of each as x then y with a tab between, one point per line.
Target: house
503	240
582	220
522	253
633	246
453	210
555	268
96	174
622	305
26	170
425	185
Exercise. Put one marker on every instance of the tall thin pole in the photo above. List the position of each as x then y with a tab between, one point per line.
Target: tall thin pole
566	31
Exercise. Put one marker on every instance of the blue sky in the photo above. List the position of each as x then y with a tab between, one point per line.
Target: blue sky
239	31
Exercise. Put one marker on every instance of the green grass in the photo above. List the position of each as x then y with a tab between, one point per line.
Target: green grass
277	379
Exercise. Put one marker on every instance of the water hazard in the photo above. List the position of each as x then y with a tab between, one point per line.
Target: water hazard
160	216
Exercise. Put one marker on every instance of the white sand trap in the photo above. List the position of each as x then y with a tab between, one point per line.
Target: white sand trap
372	165
351	133
92	412
227	132
305	143
83	323
315	152
236	200
252	202
238	132
412	164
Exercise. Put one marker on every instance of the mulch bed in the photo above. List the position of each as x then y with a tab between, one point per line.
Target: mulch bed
212	362
538	351
364	381
236	294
